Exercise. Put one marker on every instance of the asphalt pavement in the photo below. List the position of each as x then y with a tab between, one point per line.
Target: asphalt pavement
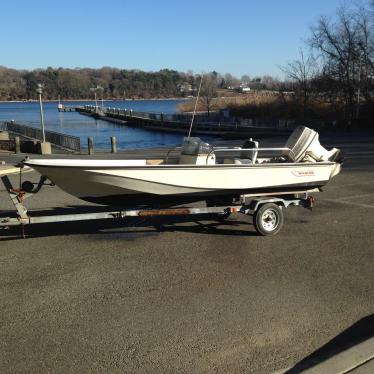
191	295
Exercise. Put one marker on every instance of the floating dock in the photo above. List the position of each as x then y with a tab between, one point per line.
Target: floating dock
214	125
64	108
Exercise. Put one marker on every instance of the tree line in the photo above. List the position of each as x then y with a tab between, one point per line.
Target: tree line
114	83
76	83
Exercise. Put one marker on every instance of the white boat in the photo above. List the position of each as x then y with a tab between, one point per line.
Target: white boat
201	172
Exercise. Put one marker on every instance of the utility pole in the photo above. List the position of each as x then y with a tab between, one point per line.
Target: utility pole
43	147
39	90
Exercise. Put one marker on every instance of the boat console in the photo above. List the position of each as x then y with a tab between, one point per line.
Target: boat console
196	152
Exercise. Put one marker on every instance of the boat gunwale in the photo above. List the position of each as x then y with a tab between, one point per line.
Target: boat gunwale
184	166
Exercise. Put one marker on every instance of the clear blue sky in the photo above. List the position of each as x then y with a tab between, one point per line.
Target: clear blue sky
237	36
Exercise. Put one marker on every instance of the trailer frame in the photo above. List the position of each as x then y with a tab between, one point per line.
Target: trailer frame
267	211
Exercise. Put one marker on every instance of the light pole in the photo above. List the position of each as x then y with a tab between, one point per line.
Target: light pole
95	89
39	90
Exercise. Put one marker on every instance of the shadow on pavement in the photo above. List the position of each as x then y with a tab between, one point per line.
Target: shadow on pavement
128	228
355	334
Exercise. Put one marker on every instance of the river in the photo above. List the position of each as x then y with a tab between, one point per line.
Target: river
73	123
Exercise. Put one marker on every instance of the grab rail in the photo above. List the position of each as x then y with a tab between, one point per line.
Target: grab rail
235	149
247	149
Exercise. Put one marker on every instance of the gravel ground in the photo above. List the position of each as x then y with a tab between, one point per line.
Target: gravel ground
187	295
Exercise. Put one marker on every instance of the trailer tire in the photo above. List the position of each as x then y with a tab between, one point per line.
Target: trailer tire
268	219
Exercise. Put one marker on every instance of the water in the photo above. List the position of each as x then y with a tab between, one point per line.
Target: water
73	123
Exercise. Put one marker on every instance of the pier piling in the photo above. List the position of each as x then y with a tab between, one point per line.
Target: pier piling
90	145
17	143
113	142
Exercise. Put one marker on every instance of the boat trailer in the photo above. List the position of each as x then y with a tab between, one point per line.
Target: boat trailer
267	211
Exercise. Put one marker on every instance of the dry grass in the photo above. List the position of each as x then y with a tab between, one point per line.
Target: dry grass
232	100
272	105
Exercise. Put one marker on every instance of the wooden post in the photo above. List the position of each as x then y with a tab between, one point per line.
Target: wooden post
90	145
17	143
113	142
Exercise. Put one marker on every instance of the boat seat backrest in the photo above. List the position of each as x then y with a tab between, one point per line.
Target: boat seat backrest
251	153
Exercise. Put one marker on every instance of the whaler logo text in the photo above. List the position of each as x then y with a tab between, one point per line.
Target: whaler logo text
303	173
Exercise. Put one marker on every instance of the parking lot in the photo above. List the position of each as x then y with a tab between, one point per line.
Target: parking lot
188	295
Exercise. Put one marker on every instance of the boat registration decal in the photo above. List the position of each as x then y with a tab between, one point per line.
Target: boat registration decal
303	173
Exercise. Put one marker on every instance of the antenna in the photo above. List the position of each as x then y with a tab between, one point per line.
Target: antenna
194	111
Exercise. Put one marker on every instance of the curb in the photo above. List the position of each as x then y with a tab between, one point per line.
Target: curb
346	361
357	359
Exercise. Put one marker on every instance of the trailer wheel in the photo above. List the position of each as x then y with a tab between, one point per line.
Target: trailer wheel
268	219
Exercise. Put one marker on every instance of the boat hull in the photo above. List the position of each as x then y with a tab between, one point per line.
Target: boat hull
157	185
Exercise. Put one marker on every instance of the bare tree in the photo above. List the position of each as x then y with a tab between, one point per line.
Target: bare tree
209	90
270	82
345	47
230	81
302	72
365	52
245	79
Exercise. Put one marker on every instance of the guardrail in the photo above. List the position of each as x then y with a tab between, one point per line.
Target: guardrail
69	142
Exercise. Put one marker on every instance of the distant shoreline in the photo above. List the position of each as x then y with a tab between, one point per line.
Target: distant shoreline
92	100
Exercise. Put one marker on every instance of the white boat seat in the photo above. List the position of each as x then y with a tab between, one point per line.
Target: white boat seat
155	162
197	160
238	161
243	161
251	153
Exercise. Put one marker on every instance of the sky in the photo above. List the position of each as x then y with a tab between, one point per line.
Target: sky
239	37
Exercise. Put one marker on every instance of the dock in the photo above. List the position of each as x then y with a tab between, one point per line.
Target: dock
213	125
65	108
